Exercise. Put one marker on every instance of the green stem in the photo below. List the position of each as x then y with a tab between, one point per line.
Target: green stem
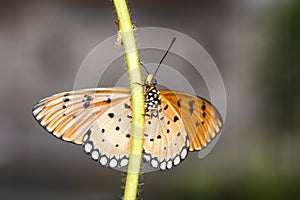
137	99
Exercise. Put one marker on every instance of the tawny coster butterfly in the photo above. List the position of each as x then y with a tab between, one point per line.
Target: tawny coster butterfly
100	119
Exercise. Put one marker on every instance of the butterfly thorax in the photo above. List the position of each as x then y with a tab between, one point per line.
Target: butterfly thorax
152	101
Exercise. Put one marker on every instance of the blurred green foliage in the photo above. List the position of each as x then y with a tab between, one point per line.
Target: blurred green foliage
280	72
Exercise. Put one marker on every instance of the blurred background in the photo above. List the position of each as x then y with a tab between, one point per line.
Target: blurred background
255	44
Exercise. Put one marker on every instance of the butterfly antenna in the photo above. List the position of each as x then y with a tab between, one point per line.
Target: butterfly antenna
142	64
172	42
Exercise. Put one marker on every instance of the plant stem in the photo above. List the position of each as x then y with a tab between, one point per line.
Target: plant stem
137	99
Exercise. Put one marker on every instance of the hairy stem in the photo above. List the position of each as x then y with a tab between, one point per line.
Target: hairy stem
137	99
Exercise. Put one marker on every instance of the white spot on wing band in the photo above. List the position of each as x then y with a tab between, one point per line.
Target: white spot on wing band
183	154
176	160
163	165
95	155
113	163
154	163
85	138
88	147
169	164
103	160
147	157
124	162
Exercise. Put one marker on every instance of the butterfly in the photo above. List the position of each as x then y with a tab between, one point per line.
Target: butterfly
100	119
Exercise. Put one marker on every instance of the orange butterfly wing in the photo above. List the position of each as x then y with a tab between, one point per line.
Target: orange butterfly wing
166	142
201	119
108	140
100	119
70	115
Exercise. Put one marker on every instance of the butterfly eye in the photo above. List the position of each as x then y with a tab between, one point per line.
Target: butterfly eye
153	81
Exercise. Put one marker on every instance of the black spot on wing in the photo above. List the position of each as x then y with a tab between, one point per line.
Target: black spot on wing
191	105
176	118
191	110
89	98
111	115
88	132
86	104
166	107
179	102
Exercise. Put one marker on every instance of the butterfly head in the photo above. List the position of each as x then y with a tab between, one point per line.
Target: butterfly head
150	80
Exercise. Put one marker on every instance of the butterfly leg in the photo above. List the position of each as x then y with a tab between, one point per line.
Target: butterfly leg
119	41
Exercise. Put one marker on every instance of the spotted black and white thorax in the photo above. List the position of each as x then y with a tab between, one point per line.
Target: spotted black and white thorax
152	101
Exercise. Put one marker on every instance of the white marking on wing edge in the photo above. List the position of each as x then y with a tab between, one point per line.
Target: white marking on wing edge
176	160
124	162
169	164
88	147
147	157
154	163
85	138
113	163
163	165
95	155
103	160
183	153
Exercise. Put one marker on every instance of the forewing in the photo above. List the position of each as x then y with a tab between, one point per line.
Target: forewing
69	115
201	119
